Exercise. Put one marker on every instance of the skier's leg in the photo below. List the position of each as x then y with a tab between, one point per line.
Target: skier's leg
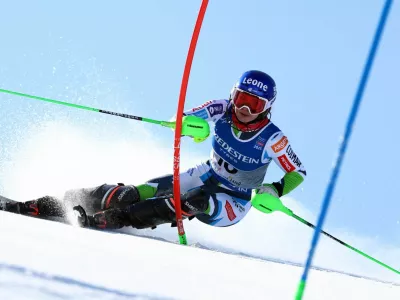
108	196
217	206
44	206
92	199
213	206
190	179
105	196
161	209
153	211
226	209
102	197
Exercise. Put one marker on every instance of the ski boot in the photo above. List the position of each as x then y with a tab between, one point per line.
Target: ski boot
44	206
24	208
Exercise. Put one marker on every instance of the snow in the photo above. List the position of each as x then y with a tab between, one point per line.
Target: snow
47	260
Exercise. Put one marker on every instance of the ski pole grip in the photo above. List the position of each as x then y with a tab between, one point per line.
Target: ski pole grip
267	203
195	127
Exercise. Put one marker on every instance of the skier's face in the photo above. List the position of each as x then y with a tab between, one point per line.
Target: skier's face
244	116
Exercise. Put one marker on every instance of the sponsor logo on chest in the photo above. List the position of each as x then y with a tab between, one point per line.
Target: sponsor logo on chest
235	154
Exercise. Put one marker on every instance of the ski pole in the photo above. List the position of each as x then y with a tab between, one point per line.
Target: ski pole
345	244
268	204
192	126
86	107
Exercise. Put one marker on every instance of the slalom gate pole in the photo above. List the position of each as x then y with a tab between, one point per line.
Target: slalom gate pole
269	204
343	147
178	128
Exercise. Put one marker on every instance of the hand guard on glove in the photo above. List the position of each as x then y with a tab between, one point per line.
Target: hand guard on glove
195	127
192	126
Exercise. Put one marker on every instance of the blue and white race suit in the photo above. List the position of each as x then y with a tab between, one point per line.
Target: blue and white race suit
238	162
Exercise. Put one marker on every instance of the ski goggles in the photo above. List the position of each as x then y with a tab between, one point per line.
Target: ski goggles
254	104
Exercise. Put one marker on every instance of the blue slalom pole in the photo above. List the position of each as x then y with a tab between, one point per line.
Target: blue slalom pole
343	147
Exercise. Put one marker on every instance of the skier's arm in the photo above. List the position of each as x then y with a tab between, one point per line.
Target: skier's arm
280	150
210	111
194	120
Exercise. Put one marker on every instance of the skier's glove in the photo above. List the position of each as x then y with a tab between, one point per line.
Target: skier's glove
195	127
268	188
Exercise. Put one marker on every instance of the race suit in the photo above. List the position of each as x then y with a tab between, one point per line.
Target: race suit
238	163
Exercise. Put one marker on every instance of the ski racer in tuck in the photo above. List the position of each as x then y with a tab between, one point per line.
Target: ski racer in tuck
217	191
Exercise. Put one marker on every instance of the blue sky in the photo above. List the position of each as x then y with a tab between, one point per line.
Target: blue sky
128	56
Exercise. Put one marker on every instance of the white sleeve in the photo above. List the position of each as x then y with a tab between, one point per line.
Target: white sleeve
210	111
280	150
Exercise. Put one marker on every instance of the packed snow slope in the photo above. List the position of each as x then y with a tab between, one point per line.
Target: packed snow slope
50	157
47	260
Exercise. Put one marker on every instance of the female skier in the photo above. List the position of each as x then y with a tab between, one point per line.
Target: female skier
217	191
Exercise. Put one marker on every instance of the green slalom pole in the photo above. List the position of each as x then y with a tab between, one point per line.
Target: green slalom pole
268	204
192	126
